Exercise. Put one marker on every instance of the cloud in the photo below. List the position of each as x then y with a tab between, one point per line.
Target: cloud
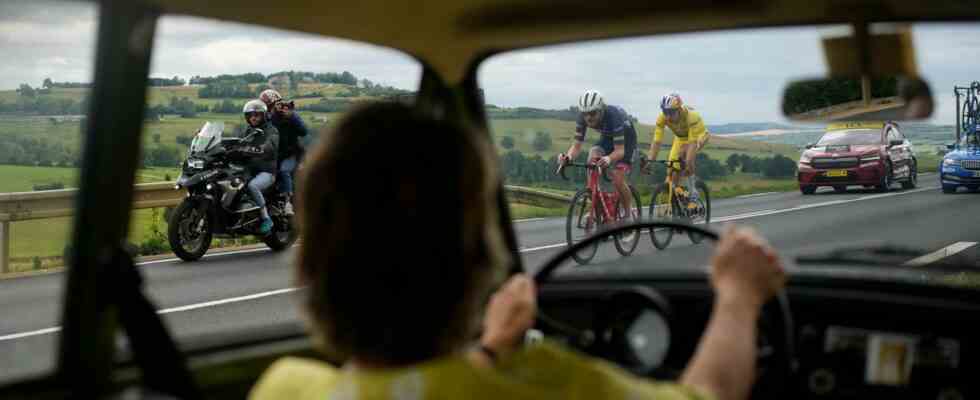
730	76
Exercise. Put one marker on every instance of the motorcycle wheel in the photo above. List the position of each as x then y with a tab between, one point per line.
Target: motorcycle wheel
279	239
189	232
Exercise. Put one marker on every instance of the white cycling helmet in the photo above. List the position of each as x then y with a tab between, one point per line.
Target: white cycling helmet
591	101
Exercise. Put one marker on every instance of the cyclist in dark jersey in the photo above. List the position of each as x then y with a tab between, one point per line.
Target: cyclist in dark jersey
617	140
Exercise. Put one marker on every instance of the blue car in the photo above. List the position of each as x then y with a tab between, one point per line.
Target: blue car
961	166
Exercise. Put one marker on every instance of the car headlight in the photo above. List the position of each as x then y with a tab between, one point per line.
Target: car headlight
804	159
951	162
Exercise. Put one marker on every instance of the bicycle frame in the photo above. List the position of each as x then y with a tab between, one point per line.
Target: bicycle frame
671	170
607	201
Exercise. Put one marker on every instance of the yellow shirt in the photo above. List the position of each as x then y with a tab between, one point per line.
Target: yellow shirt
543	371
685	130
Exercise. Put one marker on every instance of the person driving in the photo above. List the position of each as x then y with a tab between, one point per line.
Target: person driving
260	151
406	322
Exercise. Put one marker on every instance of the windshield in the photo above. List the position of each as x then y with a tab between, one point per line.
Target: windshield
851	137
208	137
751	163
238	289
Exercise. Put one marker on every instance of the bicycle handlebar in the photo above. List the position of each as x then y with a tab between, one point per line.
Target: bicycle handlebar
668	163
561	169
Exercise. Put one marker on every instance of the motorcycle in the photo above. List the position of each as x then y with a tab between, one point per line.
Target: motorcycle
217	202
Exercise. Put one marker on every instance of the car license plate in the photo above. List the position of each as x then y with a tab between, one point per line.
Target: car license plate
836	173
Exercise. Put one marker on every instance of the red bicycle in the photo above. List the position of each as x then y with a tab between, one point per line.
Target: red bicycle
593	210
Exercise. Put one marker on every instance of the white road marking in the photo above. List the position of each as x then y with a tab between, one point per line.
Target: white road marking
227	301
940	254
746	196
188	307
173	259
28	334
528	220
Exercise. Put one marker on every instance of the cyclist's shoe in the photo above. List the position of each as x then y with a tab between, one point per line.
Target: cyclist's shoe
266	226
288	208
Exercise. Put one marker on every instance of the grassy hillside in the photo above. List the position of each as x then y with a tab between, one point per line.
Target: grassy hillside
523	132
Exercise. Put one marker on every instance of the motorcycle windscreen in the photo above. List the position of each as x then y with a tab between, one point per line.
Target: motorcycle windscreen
208	137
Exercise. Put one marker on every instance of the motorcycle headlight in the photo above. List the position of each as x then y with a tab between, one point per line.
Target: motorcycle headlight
196	164
951	162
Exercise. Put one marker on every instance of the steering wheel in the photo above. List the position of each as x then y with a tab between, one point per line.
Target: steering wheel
775	365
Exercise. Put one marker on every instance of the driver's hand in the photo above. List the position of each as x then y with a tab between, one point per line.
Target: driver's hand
509	315
745	268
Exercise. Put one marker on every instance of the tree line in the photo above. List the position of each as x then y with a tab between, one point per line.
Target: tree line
345	78
494	112
777	166
45	105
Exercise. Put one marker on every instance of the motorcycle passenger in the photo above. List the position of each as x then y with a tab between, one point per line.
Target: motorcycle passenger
291	127
260	151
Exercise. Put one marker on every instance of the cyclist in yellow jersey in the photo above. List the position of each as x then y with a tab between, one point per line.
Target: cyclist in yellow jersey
690	134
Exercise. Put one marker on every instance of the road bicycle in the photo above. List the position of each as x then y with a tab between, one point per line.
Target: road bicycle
594	209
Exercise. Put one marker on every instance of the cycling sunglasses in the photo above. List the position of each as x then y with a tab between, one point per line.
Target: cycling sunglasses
671	112
254	113
592	114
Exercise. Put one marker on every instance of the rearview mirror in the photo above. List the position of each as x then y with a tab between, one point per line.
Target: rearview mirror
858	99
896	142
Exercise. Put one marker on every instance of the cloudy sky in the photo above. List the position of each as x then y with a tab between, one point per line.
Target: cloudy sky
730	77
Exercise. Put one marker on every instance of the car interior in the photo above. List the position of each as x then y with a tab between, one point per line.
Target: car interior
834	332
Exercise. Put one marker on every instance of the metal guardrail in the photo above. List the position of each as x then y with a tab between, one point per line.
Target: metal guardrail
538	198
24	206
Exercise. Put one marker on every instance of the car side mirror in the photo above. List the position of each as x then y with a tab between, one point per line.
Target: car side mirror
950	146
896	142
808	146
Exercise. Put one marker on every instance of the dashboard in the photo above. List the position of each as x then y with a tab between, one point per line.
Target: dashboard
835	338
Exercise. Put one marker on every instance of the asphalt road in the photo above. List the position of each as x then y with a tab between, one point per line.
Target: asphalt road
231	294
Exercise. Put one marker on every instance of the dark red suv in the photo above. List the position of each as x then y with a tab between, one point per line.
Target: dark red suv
870	154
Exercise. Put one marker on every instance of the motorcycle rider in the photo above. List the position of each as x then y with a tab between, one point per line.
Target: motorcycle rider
260	151
291	127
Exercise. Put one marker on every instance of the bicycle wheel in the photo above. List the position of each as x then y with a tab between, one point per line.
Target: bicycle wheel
581	224
702	211
626	242
660	209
